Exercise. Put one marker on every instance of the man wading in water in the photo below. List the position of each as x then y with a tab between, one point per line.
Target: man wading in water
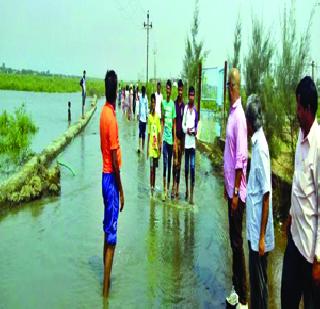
111	181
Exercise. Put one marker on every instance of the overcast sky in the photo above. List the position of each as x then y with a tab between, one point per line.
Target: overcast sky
67	36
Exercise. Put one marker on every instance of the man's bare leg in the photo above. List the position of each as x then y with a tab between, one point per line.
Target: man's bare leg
107	269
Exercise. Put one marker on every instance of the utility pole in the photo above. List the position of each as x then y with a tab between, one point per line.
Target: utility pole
155	66
147	26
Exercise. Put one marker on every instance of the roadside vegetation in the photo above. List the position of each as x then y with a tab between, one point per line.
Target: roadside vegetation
48	83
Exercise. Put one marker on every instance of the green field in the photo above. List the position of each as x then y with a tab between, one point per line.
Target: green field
49	83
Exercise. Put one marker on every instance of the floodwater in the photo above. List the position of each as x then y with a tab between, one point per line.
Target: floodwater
168	254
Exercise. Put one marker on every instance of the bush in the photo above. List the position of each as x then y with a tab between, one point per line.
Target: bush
16	132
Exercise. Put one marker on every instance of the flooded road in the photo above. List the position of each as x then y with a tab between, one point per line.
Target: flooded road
168	254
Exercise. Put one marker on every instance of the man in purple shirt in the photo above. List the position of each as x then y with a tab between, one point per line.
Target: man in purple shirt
235	165
179	148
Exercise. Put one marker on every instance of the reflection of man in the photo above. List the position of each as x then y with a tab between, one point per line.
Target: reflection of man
301	262
260	231
235	165
111	182
83	87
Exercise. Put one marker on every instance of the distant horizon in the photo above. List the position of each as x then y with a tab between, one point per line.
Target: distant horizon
66	37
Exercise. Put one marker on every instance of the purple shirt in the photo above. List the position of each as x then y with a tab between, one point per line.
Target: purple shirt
179	112
236	150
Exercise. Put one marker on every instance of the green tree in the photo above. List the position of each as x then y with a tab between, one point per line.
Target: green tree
259	79
293	60
236	62
258	61
194	52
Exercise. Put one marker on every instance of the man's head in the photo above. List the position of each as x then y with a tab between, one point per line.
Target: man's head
84	73
253	114
307	102
180	89
233	85
158	87
143	91
168	88
69	104
191	94
153	102
111	82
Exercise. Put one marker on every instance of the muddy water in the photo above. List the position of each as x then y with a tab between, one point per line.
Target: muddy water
168	254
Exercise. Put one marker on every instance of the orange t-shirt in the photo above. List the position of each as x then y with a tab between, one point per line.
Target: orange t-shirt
109	137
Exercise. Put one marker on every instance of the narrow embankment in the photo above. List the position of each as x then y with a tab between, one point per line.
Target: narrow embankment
40	176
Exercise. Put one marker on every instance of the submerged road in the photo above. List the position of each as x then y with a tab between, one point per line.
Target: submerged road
168	254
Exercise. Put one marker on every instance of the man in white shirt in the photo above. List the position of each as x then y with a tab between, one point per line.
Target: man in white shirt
260	231
159	99
301	262
190	127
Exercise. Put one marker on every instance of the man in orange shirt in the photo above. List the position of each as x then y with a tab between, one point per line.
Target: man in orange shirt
111	181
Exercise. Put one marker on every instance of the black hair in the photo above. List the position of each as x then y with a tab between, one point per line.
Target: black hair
158	84
191	89
143	90
153	97
111	82
169	83
127	87
69	103
180	83
307	91
84	72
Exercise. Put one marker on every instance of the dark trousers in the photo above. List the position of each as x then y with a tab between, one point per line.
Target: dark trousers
297	280
258	279
167	159
190	155
238	263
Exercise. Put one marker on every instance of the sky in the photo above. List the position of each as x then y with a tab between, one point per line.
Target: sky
67	36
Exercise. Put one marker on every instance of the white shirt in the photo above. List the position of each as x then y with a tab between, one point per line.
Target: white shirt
305	203
259	183
83	85
189	121
159	99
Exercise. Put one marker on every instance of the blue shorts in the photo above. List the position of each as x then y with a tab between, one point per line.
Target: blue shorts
110	194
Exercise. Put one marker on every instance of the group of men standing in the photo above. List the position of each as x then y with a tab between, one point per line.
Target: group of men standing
301	263
179	122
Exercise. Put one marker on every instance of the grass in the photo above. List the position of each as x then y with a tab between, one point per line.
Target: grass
16	133
49	83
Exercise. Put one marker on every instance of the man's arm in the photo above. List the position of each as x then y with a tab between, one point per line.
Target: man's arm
237	182
264	221
174	132
116	171
241	154
148	144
